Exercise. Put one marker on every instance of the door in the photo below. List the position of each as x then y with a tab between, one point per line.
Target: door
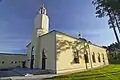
43	60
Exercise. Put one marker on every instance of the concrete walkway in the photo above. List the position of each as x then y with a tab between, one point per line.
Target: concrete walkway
34	77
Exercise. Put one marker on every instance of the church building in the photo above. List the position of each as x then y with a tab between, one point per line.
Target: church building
59	52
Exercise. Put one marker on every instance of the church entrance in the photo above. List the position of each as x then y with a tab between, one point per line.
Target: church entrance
43	60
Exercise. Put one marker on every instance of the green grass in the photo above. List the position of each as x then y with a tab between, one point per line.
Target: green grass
111	72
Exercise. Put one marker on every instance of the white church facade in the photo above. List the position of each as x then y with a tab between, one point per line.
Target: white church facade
59	52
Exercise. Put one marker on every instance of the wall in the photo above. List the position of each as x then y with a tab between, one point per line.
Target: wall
101	51
28	51
8	58
65	54
46	42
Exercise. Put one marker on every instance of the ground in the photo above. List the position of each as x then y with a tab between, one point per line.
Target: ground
111	72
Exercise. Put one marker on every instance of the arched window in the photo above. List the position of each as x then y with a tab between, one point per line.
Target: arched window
93	57
99	57
32	50
15	62
86	58
44	54
76	57
11	62
3	62
103	57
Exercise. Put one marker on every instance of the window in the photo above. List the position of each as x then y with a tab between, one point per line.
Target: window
86	58
93	57
76	57
2	62
11	62
32	50
15	62
99	57
103	57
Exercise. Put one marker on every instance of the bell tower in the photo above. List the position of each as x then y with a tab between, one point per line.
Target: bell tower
41	24
41	27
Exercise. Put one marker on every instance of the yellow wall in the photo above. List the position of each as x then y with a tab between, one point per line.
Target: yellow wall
101	51
7	58
65	57
28	51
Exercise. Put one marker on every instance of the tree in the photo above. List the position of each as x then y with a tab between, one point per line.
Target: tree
114	53
110	8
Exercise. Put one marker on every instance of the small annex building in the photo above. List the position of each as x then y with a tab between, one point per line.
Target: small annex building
10	60
58	52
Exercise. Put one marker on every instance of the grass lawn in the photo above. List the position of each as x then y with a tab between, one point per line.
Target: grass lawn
111	72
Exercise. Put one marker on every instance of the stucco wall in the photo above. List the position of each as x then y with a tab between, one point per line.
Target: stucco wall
65	57
65	54
8	58
28	51
97	51
46	42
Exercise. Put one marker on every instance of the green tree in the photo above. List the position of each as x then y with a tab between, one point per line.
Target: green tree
110	8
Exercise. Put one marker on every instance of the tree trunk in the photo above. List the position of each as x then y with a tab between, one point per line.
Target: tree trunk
113	26
117	24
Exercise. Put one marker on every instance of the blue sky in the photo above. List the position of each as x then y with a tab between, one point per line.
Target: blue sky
69	16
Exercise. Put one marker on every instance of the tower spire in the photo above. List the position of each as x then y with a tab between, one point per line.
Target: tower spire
42	9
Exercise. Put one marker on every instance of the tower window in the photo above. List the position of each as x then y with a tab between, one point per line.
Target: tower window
93	57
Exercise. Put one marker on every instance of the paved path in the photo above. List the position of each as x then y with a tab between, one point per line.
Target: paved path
34	77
